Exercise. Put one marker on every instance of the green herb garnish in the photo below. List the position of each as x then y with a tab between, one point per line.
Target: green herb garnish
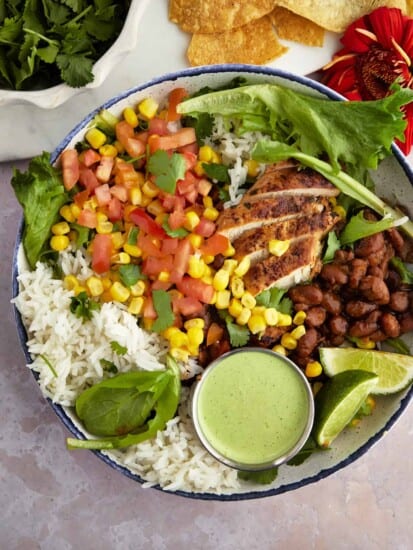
167	169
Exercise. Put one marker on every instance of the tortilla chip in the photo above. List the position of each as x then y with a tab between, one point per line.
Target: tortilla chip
290	26
211	16
337	15
254	43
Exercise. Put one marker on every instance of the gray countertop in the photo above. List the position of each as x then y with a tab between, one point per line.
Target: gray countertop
54	499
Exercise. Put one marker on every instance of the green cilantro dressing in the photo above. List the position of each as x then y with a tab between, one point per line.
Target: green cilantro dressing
253	407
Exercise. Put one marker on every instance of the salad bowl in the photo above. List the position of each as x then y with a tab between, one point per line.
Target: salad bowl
393	178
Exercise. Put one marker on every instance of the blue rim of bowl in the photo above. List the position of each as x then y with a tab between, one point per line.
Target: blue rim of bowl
59	410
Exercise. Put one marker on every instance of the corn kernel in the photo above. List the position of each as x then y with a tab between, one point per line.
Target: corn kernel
248	300
223	299
365	343
155	208
119	292
195	240
278	248
66	213
61	228
230	251
76	210
278	348
196	267
237	287
198	169
138	289
221	279
242	267
136	305
230	265
130	116
284	320
79	289
179	354
133	250
118	240
235	307
298	332
271	316
299	317
95	137
169	332
195	336
243	317
178	339
207	202
332	201
340	211
108	150
208	258
106	283
148	107
313	369
150	189
59	242
288	341
196	322
164	276
104	227
94	285
216	157
70	282
252	167
211	214
135	195
205	153
119	147
256	324
207	279
191	220
121	258
258	310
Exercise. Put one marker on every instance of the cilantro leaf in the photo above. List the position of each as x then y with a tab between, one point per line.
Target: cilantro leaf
167	169
118	348
216	171
179	232
238	335
76	70
162	306
130	274
108	366
82	306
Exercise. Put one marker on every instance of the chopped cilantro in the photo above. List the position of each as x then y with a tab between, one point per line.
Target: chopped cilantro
216	171
133	236
162	306
117	348
82	306
83	234
274	297
180	232
130	274
238	335
167	169
109	366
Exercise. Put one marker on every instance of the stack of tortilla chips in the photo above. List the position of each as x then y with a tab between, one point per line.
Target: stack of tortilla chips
249	31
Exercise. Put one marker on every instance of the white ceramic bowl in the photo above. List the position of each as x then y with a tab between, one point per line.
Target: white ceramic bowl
51	98
394	178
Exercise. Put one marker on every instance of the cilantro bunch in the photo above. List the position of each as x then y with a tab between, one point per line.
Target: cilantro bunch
46	42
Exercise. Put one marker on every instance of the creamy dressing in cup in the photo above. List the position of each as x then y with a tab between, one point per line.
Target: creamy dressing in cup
253	409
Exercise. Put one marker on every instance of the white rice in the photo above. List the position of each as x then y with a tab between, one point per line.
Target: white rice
67	353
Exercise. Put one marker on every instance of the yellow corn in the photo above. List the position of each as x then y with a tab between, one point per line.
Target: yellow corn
198	169
256	323
235	308
179	354
122	258
211	213
66	213
196	267
205	153
156	208
242	267
169	332
135	195
252	167
118	240
136	305
243	317
70	282
59	242
191	220
208	258
223	298
133	250
130	116
196	322
207	279
104	227
106	282
61	228
95	137
278	348
119	292
164	276
119	147
138	289
298	332
207	202
230	251
220	280
78	289
271	316
148	107
216	157
313	369
288	341
178	339
365	343
248	300
108	150
195	240
94	285
230	265
339	210
332	201
258	310
299	317
150	189
195	336
237	287
76	210
284	320
278	248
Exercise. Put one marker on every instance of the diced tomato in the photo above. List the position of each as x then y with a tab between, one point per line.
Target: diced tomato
217	244
123	132
173	202
89	157
181	258
104	169
148	246
158	126
144	221
205	228
161	285
175	97
101	253
191	159
191	148
185	186
196	288
188	305
176	219
115	209
154	265
102	194
192	195
81	197
142	136
169	245
87	178
120	192
182	137
204	187
87	218
134	147
70	168
148	309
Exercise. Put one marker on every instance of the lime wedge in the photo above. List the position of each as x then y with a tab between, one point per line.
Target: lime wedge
338	401
395	371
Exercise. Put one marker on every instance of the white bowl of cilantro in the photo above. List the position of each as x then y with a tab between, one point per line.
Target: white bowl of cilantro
65	48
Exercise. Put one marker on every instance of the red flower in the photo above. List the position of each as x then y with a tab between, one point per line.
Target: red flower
378	49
